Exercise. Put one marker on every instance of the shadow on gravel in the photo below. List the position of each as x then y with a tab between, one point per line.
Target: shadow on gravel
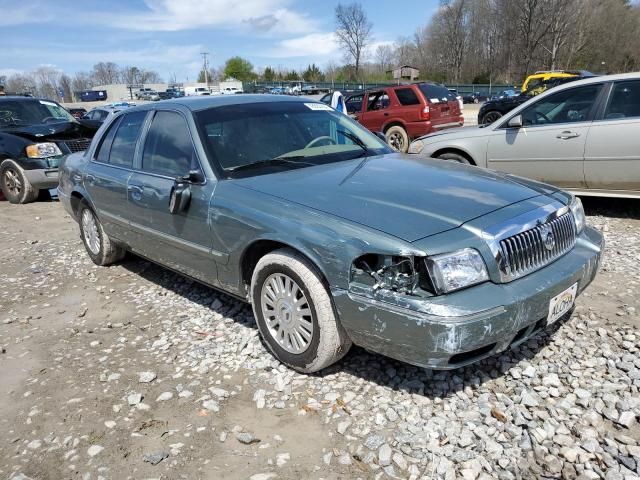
612	207
369	366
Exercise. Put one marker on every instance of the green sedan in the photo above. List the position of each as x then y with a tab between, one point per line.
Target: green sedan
331	237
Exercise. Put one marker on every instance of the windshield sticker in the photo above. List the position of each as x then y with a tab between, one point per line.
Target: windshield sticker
51	104
435	100
318	106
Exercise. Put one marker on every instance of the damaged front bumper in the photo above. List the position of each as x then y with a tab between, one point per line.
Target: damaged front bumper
457	329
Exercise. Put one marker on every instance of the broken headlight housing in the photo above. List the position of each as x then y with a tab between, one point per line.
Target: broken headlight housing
577	211
385	272
460	269
43	150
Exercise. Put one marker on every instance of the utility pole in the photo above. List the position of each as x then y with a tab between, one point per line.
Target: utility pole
205	67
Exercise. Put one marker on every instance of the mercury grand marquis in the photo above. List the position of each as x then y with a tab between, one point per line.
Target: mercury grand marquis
331	237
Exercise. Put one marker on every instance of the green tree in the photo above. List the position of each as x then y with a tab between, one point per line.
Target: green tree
312	74
269	75
239	68
292	75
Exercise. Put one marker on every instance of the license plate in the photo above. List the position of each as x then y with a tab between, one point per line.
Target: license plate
561	303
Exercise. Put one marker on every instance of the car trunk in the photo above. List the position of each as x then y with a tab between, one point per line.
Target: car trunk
444	107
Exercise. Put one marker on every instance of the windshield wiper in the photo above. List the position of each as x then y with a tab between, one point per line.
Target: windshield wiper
355	140
269	162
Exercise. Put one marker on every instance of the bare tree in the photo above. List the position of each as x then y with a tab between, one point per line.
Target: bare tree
384	57
353	29
81	81
47	81
21	83
105	73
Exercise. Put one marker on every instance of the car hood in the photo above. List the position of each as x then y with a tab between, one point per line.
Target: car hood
52	131
406	196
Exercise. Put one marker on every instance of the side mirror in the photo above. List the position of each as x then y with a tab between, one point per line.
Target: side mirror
194	176
515	122
180	196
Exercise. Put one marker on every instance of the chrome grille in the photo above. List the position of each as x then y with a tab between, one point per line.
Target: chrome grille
526	252
79	145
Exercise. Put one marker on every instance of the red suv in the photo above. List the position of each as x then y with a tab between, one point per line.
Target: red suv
405	112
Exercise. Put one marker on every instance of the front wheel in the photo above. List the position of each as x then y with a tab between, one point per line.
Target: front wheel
454	157
15	185
295	314
491	117
100	248
397	138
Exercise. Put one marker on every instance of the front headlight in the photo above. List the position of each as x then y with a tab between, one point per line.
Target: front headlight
416	147
578	214
460	269
43	150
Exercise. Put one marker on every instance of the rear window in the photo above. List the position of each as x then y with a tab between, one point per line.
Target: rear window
436	93
406	96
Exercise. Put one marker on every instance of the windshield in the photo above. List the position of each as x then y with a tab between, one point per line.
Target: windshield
32	112
302	134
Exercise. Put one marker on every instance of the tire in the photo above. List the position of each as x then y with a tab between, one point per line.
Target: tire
490	117
100	248
324	341
455	157
397	138
15	185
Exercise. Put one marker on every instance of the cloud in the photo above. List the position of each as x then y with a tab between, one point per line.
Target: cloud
16	13
175	15
311	45
7	72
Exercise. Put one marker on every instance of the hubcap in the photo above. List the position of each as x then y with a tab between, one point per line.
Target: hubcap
396	141
287	313
12	181
90	231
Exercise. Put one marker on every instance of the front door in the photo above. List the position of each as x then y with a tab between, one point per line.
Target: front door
181	241
108	172
612	153
549	147
375	113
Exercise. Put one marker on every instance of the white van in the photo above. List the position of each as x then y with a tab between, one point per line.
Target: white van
196	91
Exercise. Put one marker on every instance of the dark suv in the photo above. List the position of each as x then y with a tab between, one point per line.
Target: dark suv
405	112
34	135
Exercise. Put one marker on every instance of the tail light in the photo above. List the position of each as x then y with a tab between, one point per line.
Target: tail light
425	113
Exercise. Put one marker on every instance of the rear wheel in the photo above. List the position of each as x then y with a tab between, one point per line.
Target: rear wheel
397	138
100	248
490	117
295	314
15	185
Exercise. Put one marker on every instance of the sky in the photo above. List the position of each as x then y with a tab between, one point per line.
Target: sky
168	35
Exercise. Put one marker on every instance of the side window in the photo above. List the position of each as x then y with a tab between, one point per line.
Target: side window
101	115
568	106
625	101
354	104
168	149
406	96
124	141
102	153
377	101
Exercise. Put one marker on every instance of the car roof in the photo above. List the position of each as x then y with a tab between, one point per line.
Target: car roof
591	80
25	99
213	101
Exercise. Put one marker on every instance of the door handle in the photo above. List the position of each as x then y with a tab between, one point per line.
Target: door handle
385	114
567	135
90	178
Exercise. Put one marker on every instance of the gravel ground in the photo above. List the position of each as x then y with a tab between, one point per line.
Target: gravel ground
135	372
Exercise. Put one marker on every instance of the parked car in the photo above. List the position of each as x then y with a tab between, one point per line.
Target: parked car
326	98
231	90
581	136
405	112
507	100
77	112
34	136
541	81
96	117
333	238
196	91
474	97
147	94
277	91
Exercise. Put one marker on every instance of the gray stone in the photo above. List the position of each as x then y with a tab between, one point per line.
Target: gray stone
374	442
246	438
384	455
146	377
155	458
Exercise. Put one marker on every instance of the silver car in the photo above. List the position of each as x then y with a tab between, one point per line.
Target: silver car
583	136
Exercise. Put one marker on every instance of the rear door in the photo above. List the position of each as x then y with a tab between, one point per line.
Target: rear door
182	240
612	151
444	107
376	110
108	172
550	145
409	106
